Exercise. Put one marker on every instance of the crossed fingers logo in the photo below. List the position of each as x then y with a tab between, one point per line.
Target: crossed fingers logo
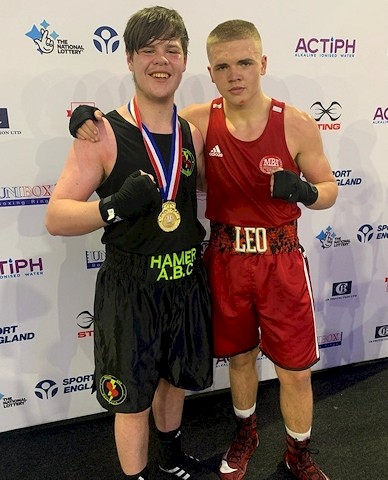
333	111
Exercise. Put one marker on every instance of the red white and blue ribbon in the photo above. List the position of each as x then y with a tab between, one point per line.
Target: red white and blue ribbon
168	180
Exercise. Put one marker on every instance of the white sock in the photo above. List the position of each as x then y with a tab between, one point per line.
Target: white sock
300	437
244	413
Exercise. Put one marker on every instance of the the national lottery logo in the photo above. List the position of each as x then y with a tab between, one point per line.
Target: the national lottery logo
328	47
20	267
10	402
106	39
327	115
94	258
25	195
329	238
47	41
366	233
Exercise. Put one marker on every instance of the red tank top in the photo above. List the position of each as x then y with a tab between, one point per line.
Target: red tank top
238	173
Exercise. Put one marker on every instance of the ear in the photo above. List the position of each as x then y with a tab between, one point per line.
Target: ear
263	68
130	61
210	73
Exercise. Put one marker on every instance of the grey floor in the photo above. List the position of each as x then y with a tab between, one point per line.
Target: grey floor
350	432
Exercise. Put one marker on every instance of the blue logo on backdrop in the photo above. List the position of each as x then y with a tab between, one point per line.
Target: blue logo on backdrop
341	288
46	40
329	238
106	39
4	123
94	258
46	389
366	232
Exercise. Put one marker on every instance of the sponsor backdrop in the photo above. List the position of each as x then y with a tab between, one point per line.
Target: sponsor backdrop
329	59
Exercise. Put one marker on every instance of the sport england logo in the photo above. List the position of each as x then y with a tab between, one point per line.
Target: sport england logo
106	39
346	178
46	389
366	232
46	40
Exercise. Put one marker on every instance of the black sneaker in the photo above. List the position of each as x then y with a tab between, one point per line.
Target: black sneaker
187	468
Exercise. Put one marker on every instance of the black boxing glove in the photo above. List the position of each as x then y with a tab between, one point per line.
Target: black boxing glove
137	196
79	117
290	187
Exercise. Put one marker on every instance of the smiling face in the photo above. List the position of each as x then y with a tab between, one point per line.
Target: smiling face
157	68
156	43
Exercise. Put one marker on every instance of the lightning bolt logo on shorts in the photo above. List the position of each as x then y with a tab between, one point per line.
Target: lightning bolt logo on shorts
112	390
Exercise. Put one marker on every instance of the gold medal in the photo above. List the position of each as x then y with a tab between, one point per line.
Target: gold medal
169	218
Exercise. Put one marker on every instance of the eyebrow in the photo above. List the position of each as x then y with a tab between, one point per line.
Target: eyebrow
243	60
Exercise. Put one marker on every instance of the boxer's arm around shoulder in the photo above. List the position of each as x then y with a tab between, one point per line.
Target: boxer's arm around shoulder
199	153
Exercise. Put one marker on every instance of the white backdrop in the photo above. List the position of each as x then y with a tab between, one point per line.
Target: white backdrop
329	59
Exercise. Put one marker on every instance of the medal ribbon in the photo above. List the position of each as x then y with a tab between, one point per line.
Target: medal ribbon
168	180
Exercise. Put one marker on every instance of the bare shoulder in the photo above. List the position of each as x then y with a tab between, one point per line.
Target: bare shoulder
197	114
298	122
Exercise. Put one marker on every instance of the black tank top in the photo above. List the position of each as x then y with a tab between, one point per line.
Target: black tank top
144	236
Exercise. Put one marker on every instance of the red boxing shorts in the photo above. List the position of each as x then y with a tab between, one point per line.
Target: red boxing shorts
261	294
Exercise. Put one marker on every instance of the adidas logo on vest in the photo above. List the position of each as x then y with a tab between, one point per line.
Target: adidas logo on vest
216	152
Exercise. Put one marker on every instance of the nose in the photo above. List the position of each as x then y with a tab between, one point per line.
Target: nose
234	73
160	59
